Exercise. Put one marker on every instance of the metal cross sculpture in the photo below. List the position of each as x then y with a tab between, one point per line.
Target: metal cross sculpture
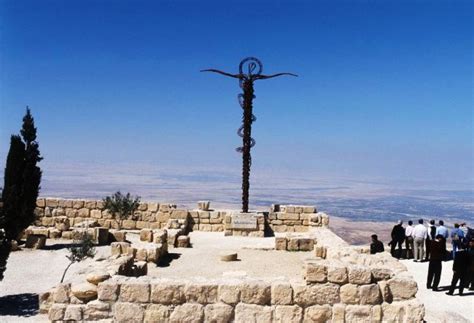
250	70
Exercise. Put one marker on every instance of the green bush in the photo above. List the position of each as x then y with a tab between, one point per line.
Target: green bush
121	205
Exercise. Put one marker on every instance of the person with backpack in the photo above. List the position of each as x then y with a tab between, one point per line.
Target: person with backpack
457	237
430	237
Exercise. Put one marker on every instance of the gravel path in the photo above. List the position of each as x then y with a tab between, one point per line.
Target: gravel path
439	306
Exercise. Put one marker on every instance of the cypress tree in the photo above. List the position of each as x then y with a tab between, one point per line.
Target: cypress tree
31	173
21	187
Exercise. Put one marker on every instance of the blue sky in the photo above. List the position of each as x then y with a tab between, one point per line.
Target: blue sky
385	88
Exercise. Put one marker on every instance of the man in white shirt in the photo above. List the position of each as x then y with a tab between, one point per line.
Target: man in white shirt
419	234
409	240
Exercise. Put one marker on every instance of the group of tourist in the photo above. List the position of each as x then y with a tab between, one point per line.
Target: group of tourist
428	243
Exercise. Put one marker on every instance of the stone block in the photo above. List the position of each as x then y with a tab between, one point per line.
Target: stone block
129	224
96	310
53	203
77	204
318	294
288	314
135	292
58	212
349	294
183	242
338	313
141	254
288	216
381	274
142	207
205	227
72	213
280	243
47	222
40	202
90	204
218	313
315	272
358	313
153	253
293	244
370	294
66	235
245	313
179	214
84	291
73	313
168	293
96	214
119	248
192	313
337	273
84	212
359	275
61	293
229	292
203	293
35	241
309	209
157	313
143	224
56	312
306	244
415	310
281	293
402	288
228	256
257	292
318	314
108	291
146	235
128	312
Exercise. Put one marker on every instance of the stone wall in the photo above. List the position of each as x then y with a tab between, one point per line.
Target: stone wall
335	294
59	215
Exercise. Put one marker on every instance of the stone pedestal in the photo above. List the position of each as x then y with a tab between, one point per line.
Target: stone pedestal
245	224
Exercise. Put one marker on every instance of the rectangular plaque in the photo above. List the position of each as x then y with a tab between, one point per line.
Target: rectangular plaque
243	221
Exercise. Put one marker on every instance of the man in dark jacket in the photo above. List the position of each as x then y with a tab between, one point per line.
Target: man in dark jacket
471	269
376	245
438	251
398	236
461	266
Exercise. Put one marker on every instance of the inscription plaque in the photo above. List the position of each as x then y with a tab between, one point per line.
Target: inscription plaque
244	221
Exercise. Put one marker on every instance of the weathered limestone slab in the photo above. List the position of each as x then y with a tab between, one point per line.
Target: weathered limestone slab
218	312
245	313
168	293
258	292
203	293
288	314
281	293
157	313
135	292
402	288
128	312
35	241
84	291
318	313
188	312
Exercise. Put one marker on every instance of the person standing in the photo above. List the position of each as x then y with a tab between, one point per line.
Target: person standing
457	237
471	269
438	250
442	230
419	236
376	246
409	239
461	266
398	236
431	236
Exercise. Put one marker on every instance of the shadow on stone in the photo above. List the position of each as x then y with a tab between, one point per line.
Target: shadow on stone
166	260
60	246
19	305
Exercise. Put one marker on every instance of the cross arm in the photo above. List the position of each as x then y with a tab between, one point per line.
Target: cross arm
237	76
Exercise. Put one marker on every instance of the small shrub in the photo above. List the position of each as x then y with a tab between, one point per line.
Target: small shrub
121	205
77	253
